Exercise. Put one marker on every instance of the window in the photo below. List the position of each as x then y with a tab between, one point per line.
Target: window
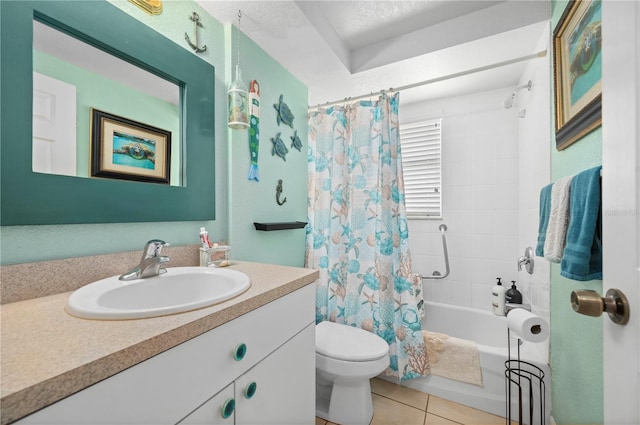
421	162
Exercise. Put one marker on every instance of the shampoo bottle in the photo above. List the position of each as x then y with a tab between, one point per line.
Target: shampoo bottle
498	298
513	295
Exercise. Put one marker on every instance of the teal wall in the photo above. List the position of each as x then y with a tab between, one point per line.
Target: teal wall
104	94
22	244
576	340
252	201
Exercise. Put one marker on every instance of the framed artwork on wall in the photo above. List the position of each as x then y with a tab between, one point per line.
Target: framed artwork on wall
577	69
128	150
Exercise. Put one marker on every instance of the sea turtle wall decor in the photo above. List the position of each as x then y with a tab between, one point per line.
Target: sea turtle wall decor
295	141
283	113
279	147
137	151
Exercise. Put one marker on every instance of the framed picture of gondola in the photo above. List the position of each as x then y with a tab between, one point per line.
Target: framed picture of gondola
577	44
129	150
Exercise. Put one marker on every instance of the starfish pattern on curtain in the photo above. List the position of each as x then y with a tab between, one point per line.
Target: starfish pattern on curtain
357	235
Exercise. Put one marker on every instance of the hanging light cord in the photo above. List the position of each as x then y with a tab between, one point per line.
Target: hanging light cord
238	52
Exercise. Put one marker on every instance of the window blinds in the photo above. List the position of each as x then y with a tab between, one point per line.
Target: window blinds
421	144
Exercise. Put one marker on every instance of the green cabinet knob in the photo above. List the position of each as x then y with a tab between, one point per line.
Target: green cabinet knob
239	352
227	408
250	390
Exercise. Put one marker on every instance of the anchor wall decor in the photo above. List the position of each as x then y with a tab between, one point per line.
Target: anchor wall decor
196	23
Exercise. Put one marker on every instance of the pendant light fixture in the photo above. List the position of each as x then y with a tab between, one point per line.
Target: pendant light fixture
238	94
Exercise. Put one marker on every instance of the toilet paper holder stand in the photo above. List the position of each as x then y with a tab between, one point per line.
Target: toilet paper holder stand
521	379
590	303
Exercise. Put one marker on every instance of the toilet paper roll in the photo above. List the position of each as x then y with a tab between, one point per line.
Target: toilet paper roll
527	325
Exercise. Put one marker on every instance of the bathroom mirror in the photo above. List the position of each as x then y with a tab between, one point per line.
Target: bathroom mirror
71	78
29	197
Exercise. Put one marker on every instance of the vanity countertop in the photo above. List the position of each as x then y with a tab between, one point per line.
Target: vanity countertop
47	354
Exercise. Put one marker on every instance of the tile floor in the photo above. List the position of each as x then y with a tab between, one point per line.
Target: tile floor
394	404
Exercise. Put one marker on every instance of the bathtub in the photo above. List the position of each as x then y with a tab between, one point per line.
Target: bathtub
490	333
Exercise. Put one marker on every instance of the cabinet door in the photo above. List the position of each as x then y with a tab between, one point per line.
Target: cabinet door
281	388
218	410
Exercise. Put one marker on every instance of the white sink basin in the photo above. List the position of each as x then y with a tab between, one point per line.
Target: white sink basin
180	289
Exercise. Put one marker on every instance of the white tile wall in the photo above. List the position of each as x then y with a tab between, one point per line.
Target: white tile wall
535	144
480	198
494	165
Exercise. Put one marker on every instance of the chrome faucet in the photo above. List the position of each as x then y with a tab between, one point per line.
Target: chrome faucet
526	260
151	262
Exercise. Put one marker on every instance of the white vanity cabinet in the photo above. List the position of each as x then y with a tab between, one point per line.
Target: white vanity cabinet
218	410
272	346
281	391
272	392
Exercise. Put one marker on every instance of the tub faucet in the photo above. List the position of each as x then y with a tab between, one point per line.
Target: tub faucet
526	260
151	262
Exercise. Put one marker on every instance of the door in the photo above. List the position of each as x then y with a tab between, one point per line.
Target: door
621	197
281	388
54	126
218	410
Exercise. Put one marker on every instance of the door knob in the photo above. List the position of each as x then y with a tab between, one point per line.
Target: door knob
590	303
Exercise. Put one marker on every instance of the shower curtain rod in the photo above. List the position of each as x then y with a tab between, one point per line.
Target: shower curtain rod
536	55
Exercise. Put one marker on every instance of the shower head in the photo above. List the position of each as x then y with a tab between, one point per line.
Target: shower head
508	102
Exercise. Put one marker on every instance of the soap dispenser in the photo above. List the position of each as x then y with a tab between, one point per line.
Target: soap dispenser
498	298
513	296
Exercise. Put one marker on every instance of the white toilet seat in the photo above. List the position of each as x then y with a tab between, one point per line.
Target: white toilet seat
348	343
345	369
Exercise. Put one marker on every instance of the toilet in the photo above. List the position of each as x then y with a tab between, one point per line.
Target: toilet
346	358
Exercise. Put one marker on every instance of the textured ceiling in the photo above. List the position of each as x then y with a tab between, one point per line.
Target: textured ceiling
361	23
343	49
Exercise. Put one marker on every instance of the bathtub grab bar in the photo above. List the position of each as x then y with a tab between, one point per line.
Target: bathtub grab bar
436	274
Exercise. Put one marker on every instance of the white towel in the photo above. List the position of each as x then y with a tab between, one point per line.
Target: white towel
558	220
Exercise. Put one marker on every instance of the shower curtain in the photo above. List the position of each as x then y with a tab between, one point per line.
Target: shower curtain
357	235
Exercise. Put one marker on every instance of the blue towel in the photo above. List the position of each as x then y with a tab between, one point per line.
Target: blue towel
545	209
582	259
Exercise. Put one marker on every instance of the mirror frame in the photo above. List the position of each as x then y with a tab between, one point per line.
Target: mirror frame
29	198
